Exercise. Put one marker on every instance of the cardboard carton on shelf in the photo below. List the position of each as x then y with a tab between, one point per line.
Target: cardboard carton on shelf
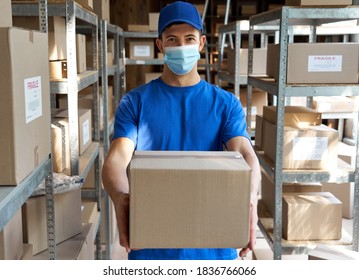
259	61
312	147
11	247
24	103
311	216
56	33
189	200
67	219
153	20
316	63
294	116
141	49
268	190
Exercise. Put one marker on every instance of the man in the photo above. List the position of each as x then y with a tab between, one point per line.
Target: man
177	111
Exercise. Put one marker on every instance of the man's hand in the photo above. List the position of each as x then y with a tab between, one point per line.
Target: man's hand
252	230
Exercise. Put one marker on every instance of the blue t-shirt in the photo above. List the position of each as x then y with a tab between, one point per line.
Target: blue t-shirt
202	117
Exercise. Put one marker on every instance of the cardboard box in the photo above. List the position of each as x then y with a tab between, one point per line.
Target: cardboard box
311	216
325	63
67	219
141	49
85	101
81	53
268	190
153	20
102	9
85	126
325	252
58	69
318	2
259	65
259	101
189	200
24	103
56	33
334	104
313	147
200	8
138	28
11	239
295	116
58	149
5	13
152	76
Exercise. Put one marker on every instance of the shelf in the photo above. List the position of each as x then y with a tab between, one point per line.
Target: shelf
343	173
270	85
85	79
54	9
313	16
230	78
13	197
265	223
132	34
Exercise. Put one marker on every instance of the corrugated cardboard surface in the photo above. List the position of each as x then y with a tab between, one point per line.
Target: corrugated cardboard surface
189	200
311	216
5	13
25	141
259	63
102	9
85	126
297	62
320	152
295	116
67	219
331	104
11	239
142	49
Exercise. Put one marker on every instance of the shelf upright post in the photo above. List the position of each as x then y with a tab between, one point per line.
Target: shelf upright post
72	87
49	191
250	71
278	177
105	136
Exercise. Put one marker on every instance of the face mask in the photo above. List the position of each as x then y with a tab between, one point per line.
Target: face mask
182	59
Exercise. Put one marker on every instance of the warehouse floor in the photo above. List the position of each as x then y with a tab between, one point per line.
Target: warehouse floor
118	252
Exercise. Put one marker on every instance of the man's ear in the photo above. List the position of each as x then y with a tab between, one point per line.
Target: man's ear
202	42
159	45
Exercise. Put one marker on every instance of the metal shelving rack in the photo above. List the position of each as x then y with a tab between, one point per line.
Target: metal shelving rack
238	28
285	18
13	197
76	16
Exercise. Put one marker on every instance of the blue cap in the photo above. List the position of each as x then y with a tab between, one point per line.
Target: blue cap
179	12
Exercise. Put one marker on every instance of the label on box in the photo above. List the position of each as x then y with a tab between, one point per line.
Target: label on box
86	132
309	148
325	63
33	98
142	50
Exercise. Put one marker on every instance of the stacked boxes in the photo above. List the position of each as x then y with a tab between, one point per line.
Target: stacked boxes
259	65
309	146
24	103
11	244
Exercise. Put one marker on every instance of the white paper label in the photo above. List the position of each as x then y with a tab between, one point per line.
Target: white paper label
142	50
85	132
33	98
325	63
309	148
253	110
